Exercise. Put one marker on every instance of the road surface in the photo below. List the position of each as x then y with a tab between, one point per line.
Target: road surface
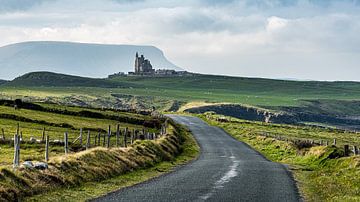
227	170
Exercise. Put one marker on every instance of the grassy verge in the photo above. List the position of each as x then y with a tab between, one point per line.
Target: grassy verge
323	174
86	170
91	190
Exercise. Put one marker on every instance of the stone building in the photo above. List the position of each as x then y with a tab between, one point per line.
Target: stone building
142	65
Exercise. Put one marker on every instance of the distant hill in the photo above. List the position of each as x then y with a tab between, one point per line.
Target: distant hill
2	82
49	79
90	60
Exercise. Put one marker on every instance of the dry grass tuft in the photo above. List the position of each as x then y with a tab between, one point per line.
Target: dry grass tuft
93	165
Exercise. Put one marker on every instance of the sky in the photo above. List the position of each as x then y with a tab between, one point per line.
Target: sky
283	39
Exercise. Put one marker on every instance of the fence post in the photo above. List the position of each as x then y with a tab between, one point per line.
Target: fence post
81	137
43	135
47	148
132	137
125	137
88	140
346	150
355	150
117	135
18	145
95	140
334	143
15	162
66	142
3	134
108	140
104	140
99	139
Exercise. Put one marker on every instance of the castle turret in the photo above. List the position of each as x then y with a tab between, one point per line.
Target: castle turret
142	65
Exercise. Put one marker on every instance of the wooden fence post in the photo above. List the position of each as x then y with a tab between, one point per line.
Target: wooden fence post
99	139
355	150
81	137
88	140
104	140
95	140
66	142
125	137
16	153
3	134
334	143
108	139
346	150
47	148
132	137
117	135
43	135
18	145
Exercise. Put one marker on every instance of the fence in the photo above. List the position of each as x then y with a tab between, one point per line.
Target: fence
348	149
123	138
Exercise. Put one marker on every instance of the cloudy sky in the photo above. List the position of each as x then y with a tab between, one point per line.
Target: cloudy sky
303	39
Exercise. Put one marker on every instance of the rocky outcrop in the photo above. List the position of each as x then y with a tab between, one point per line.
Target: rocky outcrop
294	116
247	113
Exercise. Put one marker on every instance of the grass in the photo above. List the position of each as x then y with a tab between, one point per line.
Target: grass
98	164
32	123
323	174
203	88
92	190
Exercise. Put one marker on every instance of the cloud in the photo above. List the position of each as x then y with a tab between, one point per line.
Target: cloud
250	38
18	5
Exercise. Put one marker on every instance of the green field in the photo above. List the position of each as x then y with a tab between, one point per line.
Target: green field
160	92
323	173
33	122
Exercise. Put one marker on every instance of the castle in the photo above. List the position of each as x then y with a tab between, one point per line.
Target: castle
142	65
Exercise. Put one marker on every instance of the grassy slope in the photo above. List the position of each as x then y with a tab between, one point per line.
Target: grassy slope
30	129
253	91
54	79
245	90
322	174
95	189
96	165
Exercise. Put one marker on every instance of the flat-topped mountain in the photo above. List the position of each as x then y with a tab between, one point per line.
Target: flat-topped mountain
90	60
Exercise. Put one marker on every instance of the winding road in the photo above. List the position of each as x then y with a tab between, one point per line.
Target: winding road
227	170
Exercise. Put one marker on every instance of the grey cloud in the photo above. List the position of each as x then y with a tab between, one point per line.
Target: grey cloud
17	5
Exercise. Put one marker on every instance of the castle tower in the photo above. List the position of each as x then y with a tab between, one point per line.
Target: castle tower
142	65
137	63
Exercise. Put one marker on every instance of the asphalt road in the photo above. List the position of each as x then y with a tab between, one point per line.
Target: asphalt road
227	170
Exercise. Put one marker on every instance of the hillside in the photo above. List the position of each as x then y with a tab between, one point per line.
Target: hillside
2	82
91	60
309	102
49	79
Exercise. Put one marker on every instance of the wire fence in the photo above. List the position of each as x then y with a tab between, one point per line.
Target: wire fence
75	142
